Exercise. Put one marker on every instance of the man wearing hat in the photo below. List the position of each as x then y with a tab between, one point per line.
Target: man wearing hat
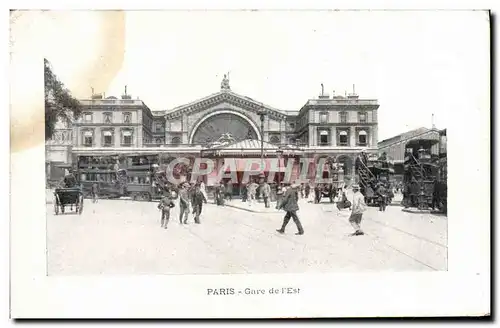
358	207
184	202
289	204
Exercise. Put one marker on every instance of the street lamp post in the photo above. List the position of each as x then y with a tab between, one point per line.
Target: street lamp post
279	152
262	114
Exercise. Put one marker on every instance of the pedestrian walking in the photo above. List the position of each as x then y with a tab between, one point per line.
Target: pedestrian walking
252	191
229	191
164	206
95	192
289	204
381	197
307	190
358	207
279	195
203	189
197	200
317	194
184	203
265	190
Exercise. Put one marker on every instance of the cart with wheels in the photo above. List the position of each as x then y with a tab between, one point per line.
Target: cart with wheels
68	197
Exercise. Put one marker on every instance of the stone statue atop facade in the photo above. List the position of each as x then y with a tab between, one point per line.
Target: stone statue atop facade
224	86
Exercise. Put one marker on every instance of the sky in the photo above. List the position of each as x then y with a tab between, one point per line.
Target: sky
415	63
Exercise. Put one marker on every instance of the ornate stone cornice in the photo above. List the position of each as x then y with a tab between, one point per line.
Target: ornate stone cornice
227	97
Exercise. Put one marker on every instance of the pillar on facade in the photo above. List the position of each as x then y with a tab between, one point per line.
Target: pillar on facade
374	136
352	137
333	136
311	136
118	137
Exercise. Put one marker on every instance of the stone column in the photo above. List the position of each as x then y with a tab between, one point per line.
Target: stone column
139	132
184	138
118	137
312	136
374	136
352	137
333	136
283	129
97	137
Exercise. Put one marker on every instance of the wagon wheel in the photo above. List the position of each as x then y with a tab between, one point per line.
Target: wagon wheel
56	205
80	207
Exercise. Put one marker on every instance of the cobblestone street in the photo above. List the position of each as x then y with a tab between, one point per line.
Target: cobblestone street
124	237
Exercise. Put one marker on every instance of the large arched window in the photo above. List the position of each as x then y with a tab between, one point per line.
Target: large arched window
212	128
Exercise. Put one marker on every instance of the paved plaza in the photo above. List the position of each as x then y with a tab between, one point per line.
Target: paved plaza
124	237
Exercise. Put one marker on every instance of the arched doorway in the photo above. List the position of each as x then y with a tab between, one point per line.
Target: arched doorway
212	127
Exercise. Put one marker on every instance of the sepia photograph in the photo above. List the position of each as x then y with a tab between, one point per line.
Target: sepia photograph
253	142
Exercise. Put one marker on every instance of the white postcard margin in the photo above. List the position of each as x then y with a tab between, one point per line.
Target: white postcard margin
463	290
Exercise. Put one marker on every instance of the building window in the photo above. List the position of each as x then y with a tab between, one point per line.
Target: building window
88	138
323	138
275	140
176	141
108	117
343	117
127	117
107	138
323	117
362	138
126	138
87	117
362	117
343	138
292	126
158	127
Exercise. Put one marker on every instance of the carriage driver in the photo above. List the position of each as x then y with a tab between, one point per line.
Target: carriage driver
69	179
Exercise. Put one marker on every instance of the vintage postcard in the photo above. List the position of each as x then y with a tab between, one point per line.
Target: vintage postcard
250	164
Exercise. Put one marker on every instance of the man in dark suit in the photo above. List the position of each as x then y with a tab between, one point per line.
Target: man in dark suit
197	200
289	204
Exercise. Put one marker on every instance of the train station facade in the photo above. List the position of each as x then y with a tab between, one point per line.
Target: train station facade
220	125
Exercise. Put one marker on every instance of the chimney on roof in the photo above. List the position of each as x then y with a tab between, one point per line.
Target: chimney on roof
125	95
323	95
353	95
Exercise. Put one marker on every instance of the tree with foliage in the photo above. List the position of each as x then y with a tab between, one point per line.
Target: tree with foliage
59	103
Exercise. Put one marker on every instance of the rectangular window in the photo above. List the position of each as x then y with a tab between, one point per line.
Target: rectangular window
87	118
323	117
158	127
342	138
362	138
343	117
107	138
88	138
323	138
362	117
127	117
127	138
108	117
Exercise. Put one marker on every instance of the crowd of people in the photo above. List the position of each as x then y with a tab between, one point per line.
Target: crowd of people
192	196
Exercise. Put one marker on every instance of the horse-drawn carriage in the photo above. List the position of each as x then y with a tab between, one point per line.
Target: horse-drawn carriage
68	197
